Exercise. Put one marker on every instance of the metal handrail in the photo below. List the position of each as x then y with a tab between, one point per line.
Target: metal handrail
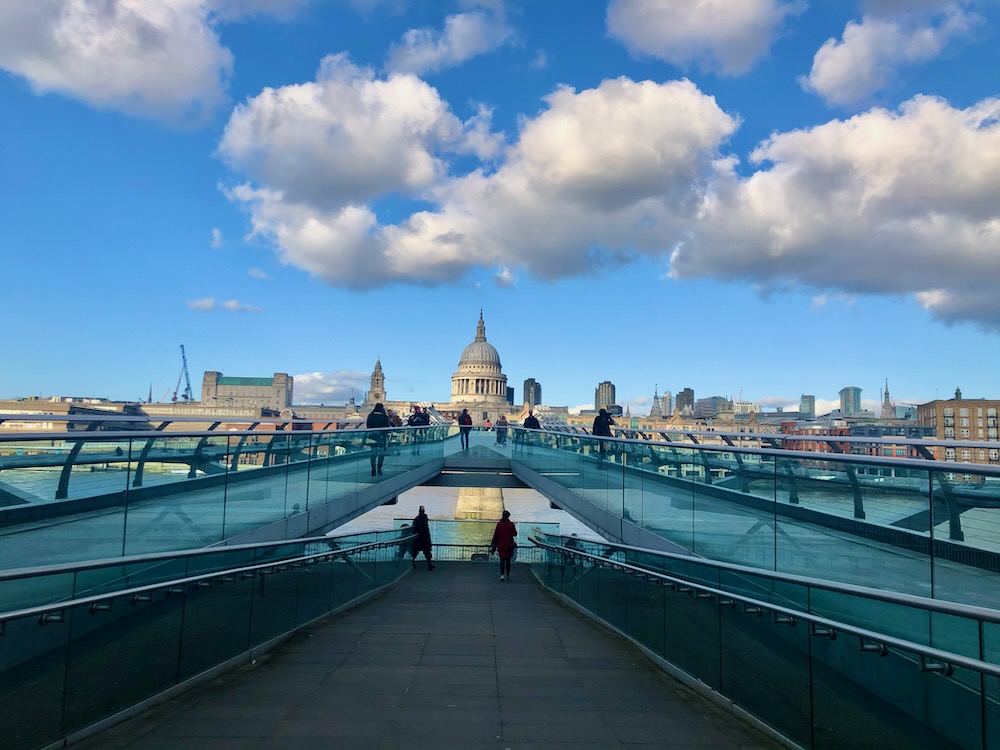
931	659
159	556
42	610
891	597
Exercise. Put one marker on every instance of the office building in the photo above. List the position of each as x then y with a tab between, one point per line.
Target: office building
274	392
850	401
532	393
807	407
685	401
604	395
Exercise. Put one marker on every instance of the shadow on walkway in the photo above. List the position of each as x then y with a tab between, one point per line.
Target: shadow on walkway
445	659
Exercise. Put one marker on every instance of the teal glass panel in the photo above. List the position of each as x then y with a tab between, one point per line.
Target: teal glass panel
691	635
862	699
35	590
32	682
613	597
216	623
120	656
273	611
765	670
900	620
991	713
312	595
644	614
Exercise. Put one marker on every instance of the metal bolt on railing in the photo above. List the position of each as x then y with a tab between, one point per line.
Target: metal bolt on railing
100	607
704	595
228	579
940	667
175	590
822	631
204	584
872	647
779	619
141	598
727	602
752	609
46	618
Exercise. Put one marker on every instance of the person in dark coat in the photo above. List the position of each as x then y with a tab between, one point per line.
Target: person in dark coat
602	428
503	543
464	428
531	422
378	418
422	528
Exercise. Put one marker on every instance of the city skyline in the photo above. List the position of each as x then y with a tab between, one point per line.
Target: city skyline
789	200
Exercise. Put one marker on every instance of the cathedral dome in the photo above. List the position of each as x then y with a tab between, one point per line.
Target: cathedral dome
480	351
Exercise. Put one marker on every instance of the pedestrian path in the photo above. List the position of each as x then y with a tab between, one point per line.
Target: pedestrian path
445	659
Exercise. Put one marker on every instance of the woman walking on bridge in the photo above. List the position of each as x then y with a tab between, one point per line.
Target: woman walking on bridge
503	543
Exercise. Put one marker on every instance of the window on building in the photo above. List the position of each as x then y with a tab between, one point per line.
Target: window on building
901	451
949	412
963	412
965	434
966	455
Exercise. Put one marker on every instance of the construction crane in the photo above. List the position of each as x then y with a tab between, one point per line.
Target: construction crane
187	395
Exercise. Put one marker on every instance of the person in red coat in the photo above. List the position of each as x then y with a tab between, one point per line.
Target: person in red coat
503	543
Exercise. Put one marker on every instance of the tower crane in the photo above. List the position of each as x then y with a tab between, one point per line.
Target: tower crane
187	395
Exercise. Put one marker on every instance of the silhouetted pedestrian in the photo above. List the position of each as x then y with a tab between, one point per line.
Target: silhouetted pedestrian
503	543
464	428
502	425
602	428
377	419
422	528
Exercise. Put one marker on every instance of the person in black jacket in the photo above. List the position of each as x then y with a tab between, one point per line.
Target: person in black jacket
378	418
602	428
422	528
464	428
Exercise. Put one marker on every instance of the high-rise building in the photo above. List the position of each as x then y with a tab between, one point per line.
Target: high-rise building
667	399
532	393
706	408
685	401
850	401
510	395
604	395
807	407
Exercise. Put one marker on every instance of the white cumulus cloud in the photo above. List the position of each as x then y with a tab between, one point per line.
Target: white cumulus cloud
330	388
728	36
161	59
886	202
347	137
600	174
870	54
465	35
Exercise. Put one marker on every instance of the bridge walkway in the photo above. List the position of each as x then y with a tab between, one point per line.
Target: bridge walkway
449	658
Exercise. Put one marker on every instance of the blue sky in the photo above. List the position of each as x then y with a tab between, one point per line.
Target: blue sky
756	197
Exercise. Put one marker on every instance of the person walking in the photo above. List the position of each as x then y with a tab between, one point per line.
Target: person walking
502	425
602	428
422	528
503	543
464	428
377	419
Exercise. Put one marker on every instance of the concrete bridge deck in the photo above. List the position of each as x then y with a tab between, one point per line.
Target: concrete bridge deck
450	658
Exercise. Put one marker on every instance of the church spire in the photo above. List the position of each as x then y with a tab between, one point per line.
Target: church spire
481	328
888	409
